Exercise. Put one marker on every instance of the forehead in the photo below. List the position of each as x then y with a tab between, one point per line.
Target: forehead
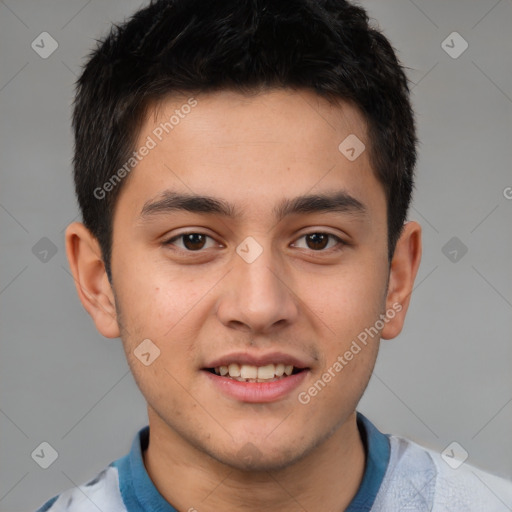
273	117
253	149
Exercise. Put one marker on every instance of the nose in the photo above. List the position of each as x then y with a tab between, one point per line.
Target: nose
256	297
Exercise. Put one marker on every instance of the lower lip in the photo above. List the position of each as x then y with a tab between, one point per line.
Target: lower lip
257	392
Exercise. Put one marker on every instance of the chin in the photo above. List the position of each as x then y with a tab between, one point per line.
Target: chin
262	463
260	456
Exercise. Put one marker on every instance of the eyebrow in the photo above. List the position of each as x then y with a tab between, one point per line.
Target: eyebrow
170	201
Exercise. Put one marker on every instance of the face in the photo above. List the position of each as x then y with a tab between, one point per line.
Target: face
283	262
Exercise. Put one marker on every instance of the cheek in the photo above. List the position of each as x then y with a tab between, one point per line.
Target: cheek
167	318
170	309
349	301
158	299
349	344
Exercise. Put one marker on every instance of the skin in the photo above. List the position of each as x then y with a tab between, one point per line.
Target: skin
252	151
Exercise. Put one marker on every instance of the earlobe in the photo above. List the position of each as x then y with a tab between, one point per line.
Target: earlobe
92	284
404	267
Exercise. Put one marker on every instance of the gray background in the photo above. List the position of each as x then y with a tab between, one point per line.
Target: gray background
446	378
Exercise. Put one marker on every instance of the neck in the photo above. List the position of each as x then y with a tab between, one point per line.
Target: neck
326	479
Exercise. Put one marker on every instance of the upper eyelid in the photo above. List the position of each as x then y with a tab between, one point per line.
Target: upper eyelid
177	237
168	241
338	239
321	233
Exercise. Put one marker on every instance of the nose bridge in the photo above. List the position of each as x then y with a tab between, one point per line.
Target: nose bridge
258	296
260	283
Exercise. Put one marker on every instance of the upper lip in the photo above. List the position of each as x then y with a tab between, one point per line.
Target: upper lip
257	360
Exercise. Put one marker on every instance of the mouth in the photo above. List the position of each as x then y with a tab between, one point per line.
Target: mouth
252	378
271	372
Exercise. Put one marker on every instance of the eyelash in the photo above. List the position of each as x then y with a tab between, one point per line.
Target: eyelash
337	247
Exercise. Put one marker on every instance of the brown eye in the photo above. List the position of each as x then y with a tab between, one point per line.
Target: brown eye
319	241
194	241
189	241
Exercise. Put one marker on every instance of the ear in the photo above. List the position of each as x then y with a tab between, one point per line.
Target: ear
403	270
91	280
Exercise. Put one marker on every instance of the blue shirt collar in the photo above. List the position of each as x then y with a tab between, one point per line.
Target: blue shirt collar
377	449
140	494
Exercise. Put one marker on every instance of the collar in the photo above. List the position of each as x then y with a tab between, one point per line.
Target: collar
140	494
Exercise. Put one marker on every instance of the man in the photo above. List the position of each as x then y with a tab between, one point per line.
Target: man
244	171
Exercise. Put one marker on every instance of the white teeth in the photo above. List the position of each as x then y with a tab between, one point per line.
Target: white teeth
243	372
234	370
248	372
266	372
